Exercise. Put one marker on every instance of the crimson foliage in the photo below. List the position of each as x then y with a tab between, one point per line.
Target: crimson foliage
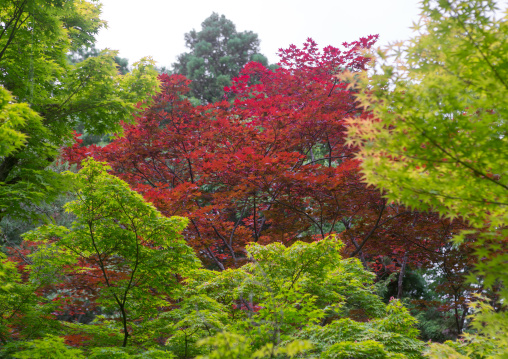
270	165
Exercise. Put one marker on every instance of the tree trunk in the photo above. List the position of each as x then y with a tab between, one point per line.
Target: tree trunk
401	276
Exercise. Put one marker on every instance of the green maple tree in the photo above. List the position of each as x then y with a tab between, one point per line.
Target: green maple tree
43	97
119	239
436	134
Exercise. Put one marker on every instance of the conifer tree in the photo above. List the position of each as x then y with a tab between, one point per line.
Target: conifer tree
217	54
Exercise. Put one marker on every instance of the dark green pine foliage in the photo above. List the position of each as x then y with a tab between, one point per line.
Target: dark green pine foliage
217	53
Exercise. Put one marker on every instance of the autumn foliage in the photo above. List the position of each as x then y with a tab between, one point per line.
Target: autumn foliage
269	164
325	206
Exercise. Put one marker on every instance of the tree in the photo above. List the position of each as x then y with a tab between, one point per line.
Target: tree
44	97
264	169
271	166
122	65
23	314
119	246
84	53
289	300
217	54
12	117
302	300
435	133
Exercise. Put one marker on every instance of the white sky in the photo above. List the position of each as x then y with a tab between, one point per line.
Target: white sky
156	28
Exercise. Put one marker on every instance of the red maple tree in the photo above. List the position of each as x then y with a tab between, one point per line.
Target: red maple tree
269	163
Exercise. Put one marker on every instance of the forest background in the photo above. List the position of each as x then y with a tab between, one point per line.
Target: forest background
222	208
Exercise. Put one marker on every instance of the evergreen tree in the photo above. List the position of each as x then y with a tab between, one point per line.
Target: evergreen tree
217	53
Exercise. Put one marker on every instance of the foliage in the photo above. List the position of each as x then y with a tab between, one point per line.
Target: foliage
438	293
12	227
53	96
267	181
433	154
272	166
217	53
53	347
492	343
23	315
234	346
49	347
295	300
435	134
122	66
83	53
299	301
119	246
13	116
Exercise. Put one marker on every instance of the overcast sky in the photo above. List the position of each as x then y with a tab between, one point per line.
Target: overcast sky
156	28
